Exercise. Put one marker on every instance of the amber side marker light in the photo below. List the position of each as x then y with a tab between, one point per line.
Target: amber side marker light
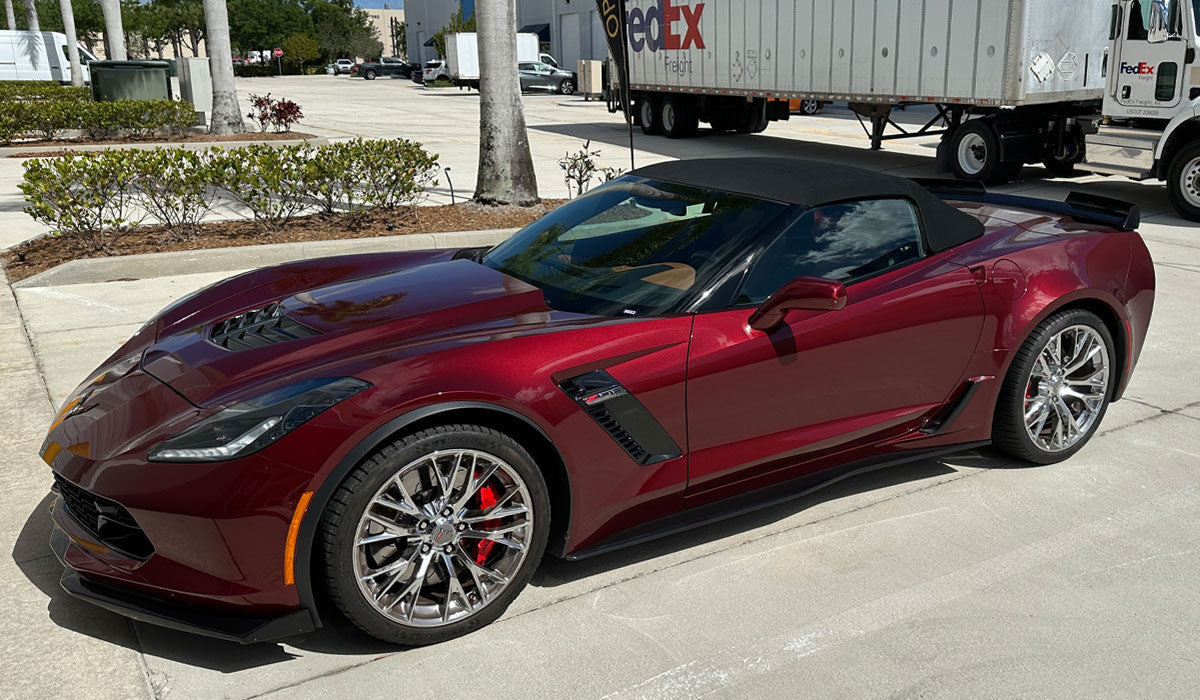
289	551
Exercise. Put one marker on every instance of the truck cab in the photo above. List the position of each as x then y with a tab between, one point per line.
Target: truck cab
1152	99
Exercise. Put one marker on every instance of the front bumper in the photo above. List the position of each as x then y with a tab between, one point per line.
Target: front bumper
157	611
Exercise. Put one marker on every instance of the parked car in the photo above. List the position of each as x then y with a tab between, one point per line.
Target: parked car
435	70
805	107
409	432
387	66
331	69
344	66
539	76
238	62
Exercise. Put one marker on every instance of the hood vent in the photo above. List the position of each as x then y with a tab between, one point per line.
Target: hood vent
258	328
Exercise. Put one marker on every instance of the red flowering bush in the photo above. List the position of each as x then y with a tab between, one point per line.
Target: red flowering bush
279	113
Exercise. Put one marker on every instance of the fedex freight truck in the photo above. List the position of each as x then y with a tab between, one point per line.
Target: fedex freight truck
1111	86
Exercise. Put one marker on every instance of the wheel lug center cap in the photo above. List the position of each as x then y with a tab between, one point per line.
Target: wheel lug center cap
442	534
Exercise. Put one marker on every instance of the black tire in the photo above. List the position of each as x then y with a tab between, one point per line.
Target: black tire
567	86
975	154
339	522
754	120
1064	166
1183	182
1008	430
722	124
677	117
648	115
369	75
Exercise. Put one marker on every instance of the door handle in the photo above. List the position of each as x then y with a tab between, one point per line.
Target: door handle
1126	92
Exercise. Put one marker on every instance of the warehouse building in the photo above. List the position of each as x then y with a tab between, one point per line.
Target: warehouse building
569	30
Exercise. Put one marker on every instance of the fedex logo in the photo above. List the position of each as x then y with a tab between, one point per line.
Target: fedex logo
1142	68
655	29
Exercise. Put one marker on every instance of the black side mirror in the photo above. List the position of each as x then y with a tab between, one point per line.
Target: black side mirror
810	293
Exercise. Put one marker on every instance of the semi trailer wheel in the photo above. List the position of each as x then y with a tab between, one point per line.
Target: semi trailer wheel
677	116
648	115
975	154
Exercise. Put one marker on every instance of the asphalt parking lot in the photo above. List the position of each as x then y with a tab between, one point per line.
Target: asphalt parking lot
963	577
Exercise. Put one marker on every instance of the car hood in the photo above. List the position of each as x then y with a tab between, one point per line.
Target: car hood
343	322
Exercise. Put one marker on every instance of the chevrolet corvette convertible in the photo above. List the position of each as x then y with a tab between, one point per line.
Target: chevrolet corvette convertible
402	436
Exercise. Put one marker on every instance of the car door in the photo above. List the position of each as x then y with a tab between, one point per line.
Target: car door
527	75
762	404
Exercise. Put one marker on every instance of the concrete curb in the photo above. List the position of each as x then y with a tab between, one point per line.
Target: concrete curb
151	265
8	151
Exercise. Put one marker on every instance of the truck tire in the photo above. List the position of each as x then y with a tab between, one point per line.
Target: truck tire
1064	166
648	115
1183	182
754	120
975	154
369	75
677	116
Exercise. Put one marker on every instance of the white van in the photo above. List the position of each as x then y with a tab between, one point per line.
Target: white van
26	55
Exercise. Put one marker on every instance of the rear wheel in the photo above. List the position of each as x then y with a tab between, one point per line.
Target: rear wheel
434	535
677	116
1057	389
1183	182
810	107
648	115
976	154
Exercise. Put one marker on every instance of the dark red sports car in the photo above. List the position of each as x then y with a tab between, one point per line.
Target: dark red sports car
410	432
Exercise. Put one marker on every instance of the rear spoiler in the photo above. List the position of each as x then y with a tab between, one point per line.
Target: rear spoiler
1086	208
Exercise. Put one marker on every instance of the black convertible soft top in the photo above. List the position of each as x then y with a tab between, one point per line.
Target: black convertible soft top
812	183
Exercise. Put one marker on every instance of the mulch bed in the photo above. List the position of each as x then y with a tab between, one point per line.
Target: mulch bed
44	253
178	138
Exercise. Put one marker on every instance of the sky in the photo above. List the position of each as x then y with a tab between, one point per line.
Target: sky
378	4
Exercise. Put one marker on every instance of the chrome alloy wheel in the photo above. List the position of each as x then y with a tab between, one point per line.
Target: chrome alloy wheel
1189	185
972	154
1067	388
443	537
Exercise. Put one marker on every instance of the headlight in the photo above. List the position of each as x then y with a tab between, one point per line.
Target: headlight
249	426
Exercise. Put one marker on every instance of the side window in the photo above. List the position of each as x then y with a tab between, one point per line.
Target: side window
1139	20
845	242
1168	75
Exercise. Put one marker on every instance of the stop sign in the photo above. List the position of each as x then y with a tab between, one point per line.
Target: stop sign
278	52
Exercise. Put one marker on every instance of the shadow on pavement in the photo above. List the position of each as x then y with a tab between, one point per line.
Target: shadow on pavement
339	637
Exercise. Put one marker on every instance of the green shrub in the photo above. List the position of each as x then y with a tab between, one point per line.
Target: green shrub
91	195
266	180
173	186
139	119
99	194
28	90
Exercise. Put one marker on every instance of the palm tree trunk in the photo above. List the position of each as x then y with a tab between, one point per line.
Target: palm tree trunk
32	16
505	165
10	15
114	32
226	114
68	19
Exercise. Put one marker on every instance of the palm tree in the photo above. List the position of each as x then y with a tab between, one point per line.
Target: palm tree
68	19
114	32
226	114
9	14
32	17
505	164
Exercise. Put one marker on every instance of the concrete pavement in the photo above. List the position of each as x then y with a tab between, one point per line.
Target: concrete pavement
966	576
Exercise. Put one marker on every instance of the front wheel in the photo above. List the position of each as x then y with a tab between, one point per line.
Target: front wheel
435	534
567	87
810	107
976	154
1183	182
369	75
1057	390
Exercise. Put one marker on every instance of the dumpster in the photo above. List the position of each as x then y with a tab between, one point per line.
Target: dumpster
130	80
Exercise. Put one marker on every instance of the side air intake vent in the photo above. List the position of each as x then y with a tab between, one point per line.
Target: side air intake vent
622	416
258	328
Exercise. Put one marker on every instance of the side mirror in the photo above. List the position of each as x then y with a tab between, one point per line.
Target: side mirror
809	293
1160	30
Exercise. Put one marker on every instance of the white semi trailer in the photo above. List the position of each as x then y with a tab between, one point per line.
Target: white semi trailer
1110	86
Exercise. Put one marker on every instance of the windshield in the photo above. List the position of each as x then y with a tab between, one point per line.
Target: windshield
634	246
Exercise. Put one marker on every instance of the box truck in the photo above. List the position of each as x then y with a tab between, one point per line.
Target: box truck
462	55
26	55
1109	86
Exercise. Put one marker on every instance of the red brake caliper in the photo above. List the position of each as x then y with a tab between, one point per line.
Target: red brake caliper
487	499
